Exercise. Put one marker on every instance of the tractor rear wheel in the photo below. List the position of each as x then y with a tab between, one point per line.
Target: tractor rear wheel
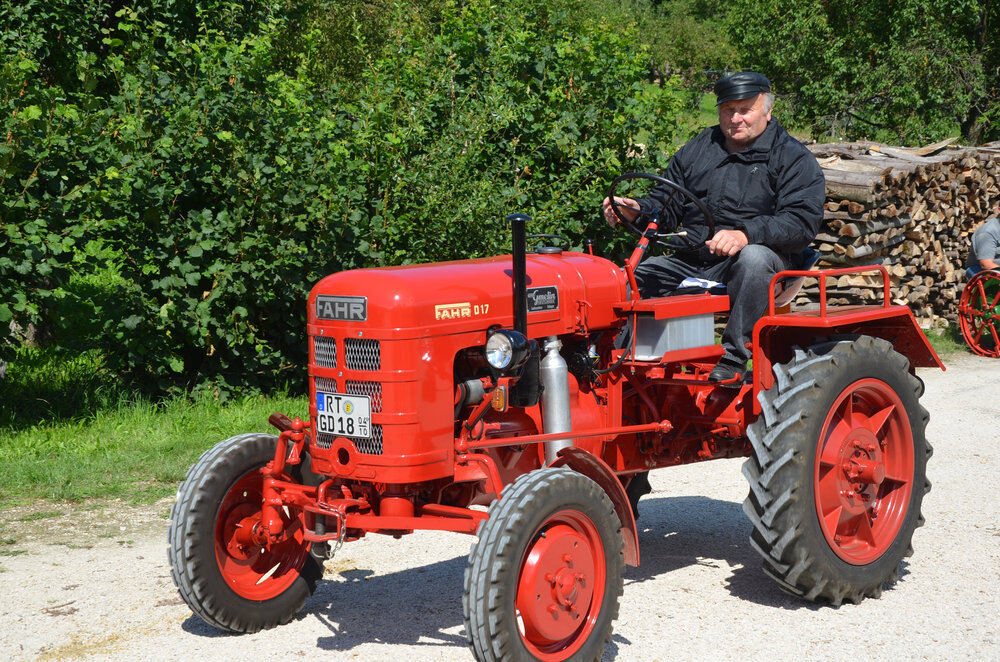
226	578
544	579
837	472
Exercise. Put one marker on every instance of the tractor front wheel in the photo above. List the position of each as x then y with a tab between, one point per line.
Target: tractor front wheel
224	572
837	472
544	579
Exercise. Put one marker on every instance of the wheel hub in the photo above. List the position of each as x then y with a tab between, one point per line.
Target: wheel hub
564	585
862	470
240	532
556	586
252	565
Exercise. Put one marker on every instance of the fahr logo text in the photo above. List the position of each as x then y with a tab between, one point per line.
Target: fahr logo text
349	309
455	311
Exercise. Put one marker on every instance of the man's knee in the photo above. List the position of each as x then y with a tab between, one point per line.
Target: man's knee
757	260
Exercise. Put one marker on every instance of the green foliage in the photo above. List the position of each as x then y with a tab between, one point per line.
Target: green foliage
60	63
221	170
685	37
906	71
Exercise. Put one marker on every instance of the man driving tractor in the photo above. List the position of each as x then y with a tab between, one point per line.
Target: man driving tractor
765	191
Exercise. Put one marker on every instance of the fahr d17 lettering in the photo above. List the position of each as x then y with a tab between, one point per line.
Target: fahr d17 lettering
439	389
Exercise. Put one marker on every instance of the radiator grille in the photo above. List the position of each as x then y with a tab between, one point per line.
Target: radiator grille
373	390
371	446
326	352
362	354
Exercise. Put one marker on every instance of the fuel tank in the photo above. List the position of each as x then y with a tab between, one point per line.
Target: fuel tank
383	341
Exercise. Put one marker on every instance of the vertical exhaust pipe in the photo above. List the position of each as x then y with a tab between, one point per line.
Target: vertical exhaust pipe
518	224
553	371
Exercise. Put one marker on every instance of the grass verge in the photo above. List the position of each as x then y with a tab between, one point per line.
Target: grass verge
947	342
137	450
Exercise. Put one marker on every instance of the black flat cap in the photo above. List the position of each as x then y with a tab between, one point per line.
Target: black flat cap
742	85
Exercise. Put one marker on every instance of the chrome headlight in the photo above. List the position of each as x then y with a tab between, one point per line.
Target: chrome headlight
506	349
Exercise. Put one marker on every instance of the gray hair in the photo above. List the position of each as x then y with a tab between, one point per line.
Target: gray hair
768	101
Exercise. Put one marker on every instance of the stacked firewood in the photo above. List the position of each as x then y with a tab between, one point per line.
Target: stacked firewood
910	210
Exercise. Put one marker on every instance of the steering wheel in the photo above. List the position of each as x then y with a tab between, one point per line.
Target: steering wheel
674	189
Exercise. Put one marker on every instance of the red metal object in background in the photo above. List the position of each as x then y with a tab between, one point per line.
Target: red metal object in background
979	313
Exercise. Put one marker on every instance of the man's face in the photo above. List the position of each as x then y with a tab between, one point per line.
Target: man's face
742	120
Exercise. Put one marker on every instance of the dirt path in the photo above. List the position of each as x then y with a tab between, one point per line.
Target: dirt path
93	582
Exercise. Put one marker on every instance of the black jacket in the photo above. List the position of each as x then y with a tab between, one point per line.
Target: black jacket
773	191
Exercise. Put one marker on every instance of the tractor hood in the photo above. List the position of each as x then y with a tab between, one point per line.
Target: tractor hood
566	292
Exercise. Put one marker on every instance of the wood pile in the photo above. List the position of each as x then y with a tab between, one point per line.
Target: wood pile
912	210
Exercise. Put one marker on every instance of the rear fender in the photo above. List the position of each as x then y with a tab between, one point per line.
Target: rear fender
595	469
776	336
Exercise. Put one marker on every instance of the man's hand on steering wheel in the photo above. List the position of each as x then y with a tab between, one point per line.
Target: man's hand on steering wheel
627	206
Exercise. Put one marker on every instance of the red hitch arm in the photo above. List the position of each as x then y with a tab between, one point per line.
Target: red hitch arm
271	507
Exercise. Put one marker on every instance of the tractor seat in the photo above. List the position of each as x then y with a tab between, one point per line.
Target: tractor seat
789	286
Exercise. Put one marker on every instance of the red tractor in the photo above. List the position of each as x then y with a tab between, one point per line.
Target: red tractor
439	389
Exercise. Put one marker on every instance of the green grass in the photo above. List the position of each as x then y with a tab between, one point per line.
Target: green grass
12	552
136	450
68	377
51	384
708	114
947	342
71	430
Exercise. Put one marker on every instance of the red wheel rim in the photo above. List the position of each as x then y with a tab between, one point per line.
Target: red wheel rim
251	568
864	471
979	314
560	586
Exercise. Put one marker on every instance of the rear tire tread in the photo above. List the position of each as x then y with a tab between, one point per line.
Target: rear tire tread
775	469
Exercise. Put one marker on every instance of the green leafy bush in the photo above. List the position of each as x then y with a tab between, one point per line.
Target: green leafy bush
61	106
224	176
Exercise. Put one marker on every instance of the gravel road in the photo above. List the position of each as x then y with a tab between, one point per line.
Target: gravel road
93	583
